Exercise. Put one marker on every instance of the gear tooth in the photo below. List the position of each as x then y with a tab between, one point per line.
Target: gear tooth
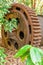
35	28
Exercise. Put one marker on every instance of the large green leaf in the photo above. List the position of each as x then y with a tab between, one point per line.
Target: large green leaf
24	56
22	51
40	51
35	56
41	62
29	61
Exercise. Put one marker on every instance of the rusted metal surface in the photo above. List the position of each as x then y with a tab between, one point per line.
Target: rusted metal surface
28	32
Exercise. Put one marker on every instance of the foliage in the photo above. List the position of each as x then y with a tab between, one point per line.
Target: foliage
4	6
26	2
2	56
32	55
37	5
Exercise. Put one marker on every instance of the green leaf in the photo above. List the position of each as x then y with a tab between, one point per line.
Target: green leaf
41	62
2	56
40	51
23	50
29	61
35	56
4	6
24	56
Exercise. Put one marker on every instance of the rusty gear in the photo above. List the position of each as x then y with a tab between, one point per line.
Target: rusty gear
28	31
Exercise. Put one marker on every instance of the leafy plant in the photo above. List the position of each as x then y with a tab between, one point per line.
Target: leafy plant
34	4
2	56
32	55
4	6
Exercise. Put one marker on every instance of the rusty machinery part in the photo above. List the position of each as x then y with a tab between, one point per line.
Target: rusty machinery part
28	31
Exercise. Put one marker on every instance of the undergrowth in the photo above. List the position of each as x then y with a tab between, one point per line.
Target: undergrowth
32	55
2	56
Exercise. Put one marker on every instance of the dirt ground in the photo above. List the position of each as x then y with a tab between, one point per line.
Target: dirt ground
10	59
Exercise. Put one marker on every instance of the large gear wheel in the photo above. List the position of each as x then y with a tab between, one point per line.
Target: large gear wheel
28	31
